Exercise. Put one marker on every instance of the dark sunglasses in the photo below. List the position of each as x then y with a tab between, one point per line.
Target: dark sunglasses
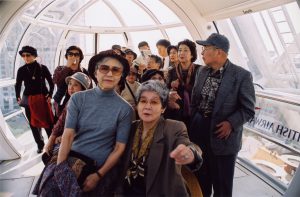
26	55
116	71
73	54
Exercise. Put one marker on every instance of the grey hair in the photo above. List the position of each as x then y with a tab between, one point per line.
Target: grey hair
157	87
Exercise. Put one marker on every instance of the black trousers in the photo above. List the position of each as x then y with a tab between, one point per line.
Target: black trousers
37	132
217	171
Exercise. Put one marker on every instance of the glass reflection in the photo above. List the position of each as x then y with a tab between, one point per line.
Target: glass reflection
271	40
8	102
278	121
45	40
277	161
62	11
18	125
9	49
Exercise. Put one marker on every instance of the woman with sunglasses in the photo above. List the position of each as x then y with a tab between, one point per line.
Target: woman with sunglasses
157	148
74	56
97	127
33	74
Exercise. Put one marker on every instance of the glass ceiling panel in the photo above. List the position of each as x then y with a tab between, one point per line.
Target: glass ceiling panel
36	7
132	14
9	49
62	11
107	40
99	14
177	34
84	41
161	11
149	36
45	40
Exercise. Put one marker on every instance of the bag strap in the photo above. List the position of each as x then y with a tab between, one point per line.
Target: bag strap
131	92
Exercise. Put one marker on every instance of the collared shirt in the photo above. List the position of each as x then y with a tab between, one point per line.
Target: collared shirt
210	89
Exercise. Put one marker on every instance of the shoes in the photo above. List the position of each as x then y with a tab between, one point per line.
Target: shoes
39	150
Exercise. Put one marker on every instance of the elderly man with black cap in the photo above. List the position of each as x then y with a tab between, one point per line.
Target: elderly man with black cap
223	100
34	74
98	122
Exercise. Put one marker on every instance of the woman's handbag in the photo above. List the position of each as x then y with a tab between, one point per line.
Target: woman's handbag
81	165
24	101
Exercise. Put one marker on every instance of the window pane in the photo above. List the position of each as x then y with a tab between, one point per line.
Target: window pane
162	12
272	47
107	40
132	14
45	40
293	11
36	7
177	34
149	36
9	49
62	11
99	14
85	42
279	122
19	126
8	102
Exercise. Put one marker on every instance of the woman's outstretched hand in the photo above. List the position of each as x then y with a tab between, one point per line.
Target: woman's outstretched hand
182	155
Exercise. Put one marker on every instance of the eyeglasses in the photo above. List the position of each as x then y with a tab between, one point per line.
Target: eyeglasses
26	55
73	54
116	71
153	102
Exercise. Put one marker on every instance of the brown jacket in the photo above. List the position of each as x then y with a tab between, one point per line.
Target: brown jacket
163	176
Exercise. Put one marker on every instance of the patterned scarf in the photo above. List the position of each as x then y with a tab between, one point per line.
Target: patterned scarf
187	87
140	151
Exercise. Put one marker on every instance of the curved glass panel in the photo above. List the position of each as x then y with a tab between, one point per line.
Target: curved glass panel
36	7
107	40
272	44
10	48
99	14
45	40
149	36
161	11
84	41
277	120
132	14
62	11
8	102
19	127
275	160
177	34
271	140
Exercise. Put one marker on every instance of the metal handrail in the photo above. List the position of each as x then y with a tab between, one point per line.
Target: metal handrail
277	98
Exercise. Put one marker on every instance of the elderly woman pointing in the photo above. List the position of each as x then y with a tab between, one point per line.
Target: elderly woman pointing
157	148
